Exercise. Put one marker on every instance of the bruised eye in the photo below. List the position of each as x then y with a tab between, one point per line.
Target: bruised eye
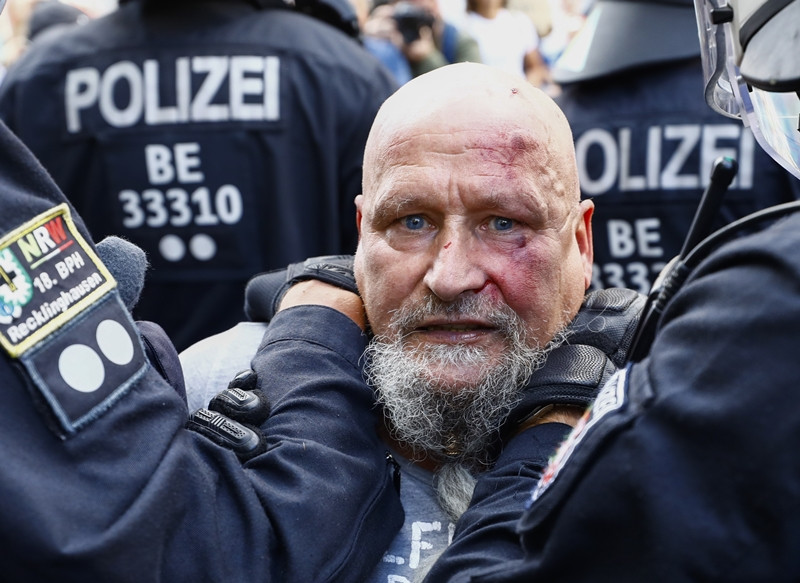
414	222
502	224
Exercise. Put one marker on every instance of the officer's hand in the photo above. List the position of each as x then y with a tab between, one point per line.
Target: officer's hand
596	346
265	291
233	417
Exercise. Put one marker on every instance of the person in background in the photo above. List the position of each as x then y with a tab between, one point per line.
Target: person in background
567	17
507	40
539	11
645	139
24	19
14	20
417	28
382	47
223	137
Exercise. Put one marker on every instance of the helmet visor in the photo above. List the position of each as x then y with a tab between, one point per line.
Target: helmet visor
773	117
720	75
775	121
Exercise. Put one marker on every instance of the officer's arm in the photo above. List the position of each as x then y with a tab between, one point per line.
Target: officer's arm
486	534
129	494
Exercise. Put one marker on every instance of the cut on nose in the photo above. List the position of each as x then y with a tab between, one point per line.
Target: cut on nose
454	272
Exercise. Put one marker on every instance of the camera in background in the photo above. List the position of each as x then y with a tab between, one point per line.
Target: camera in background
410	18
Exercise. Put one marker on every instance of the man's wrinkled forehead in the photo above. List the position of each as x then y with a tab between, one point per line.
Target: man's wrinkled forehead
504	150
486	156
484	134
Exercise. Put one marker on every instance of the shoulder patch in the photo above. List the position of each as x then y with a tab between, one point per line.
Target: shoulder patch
48	275
61	317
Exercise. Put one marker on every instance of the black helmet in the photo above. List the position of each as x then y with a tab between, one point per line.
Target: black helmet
619	35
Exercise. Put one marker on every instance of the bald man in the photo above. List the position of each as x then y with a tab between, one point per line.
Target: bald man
474	253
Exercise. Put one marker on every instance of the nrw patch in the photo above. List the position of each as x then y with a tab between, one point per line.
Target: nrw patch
610	398
48	275
62	318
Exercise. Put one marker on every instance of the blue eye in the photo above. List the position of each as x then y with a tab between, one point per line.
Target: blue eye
414	222
502	223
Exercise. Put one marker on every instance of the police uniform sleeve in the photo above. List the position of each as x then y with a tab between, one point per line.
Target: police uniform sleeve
332	466
690	472
102	480
486	534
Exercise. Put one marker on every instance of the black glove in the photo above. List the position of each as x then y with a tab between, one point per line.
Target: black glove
233	417
596	346
265	291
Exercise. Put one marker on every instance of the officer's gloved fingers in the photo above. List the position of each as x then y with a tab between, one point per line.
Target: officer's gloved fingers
264	292
246	380
128	264
234	415
572	375
244	440
607	320
242	401
249	407
162	354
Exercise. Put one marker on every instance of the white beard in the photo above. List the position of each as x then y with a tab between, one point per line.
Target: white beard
455	425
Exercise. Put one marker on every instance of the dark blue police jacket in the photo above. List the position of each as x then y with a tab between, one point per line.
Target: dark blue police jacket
100	479
222	139
645	142
686	467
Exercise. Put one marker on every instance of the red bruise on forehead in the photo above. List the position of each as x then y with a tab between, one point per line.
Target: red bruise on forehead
506	148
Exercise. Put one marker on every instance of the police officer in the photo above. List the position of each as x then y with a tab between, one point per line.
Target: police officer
645	138
224	137
104	479
686	466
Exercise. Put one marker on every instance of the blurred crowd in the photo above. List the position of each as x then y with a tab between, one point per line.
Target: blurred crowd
25	19
410	37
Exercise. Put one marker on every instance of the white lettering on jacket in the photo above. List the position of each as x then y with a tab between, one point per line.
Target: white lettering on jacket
252	82
663	170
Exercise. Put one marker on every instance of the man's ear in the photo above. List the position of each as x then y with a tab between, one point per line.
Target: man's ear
583	236
359	201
